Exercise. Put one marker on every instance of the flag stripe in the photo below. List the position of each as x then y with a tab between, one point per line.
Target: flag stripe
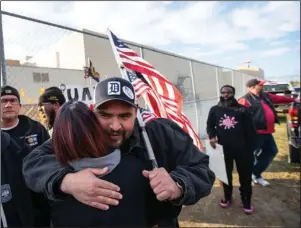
171	93
133	56
158	86
140	87
136	61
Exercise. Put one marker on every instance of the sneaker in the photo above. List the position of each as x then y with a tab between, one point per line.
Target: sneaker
261	181
225	204
249	211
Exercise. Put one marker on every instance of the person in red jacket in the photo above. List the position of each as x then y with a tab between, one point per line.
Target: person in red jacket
261	105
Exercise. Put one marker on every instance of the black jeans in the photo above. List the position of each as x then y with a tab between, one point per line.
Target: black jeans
168	222
244	160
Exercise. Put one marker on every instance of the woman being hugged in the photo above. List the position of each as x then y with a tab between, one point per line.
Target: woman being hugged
79	142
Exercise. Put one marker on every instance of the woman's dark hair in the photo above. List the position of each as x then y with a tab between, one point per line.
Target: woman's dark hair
77	133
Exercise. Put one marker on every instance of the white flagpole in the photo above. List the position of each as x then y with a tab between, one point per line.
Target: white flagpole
3	217
124	74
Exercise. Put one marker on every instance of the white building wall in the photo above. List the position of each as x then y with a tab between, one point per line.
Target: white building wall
21	77
67	53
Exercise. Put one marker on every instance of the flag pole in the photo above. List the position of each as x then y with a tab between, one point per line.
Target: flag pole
124	74
89	68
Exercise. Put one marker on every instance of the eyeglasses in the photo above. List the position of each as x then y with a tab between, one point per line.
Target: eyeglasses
13	101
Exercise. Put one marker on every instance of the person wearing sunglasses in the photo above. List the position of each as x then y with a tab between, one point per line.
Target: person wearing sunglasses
231	125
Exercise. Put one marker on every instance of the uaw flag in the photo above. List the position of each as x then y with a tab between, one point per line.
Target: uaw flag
162	97
90	72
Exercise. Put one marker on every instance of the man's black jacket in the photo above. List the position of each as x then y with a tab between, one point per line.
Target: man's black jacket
28	133
173	148
23	207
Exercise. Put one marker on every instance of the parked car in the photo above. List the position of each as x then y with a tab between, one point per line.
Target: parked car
297	90
280	88
294	132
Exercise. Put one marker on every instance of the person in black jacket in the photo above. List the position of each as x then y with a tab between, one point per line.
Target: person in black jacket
261	106
49	104
230	125
21	207
182	179
24	130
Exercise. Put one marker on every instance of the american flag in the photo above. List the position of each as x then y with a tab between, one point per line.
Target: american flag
142	89
163	97
147	115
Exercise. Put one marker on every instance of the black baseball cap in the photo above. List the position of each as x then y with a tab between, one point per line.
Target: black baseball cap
114	88
52	95
9	90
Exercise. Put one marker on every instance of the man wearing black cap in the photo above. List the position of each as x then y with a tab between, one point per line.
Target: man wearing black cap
230	124
183	177
24	130
261	106
49	104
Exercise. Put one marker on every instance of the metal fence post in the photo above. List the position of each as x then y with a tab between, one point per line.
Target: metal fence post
217	84
141	52
243	83
194	96
2	55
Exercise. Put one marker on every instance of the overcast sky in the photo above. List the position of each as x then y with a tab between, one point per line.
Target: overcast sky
223	33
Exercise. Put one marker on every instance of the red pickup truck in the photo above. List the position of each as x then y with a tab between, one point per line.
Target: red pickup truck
280	88
294	132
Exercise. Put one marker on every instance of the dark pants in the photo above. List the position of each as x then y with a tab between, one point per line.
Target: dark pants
244	161
168	223
265	156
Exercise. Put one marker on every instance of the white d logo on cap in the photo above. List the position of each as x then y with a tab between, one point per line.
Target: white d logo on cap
114	88
127	91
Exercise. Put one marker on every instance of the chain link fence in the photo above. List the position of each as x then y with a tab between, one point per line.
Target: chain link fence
40	54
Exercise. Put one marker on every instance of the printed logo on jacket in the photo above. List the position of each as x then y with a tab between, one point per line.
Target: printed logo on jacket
32	140
5	193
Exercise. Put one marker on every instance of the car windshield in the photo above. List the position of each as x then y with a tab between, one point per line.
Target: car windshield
278	87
